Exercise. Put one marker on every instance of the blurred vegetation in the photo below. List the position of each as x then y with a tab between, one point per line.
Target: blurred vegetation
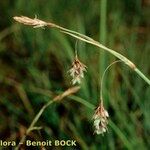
34	65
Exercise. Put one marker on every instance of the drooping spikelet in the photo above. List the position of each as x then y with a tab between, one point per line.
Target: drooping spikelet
77	71
100	119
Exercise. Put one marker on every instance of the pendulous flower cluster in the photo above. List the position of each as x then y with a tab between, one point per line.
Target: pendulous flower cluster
77	71
100	119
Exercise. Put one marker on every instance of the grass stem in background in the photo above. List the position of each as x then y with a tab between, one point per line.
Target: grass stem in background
38	115
102	33
102	36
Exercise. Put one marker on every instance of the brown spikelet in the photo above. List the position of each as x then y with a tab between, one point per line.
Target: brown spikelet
31	22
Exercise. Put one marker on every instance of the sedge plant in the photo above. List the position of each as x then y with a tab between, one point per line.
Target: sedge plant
101	115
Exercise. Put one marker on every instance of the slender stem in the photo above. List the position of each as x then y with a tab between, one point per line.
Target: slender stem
102	79
39	115
76	50
142	75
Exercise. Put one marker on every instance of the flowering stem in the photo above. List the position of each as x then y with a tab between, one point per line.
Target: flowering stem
39	23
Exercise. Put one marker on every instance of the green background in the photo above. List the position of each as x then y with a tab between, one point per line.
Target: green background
34	65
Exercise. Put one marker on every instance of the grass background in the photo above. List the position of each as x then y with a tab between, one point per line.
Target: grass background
34	65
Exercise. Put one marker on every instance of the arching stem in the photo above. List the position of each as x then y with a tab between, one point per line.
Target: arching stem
102	79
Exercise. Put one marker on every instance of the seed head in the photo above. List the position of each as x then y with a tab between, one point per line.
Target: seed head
77	71
36	23
100	119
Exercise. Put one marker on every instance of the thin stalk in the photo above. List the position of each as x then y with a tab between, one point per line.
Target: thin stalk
102	79
76	50
39	23
142	75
